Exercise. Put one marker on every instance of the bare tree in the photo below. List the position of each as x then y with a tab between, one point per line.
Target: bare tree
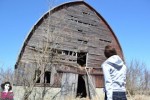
137	77
44	57
6	75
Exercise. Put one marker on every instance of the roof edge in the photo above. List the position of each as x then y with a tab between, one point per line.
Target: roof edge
53	10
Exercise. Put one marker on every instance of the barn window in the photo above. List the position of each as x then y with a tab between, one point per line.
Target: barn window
81	22
81	58
80	30
65	52
105	40
82	41
58	51
73	54
47	76
37	76
85	13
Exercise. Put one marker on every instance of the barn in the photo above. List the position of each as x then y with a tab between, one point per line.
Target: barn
64	49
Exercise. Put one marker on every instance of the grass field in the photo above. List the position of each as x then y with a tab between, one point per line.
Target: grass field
139	97
37	94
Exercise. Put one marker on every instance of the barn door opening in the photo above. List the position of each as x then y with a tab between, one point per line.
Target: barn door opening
81	88
81	58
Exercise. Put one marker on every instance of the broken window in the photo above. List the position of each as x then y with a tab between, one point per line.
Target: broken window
65	52
81	58
81	22
47	76
37	76
105	40
85	13
82	41
79	30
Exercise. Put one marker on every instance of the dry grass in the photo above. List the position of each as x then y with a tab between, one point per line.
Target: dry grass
136	97
139	97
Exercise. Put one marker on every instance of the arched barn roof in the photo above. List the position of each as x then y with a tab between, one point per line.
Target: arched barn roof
56	9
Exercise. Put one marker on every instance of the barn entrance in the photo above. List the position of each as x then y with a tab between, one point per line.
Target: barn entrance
81	58
81	89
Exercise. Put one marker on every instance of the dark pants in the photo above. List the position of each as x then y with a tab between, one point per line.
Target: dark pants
105	96
118	96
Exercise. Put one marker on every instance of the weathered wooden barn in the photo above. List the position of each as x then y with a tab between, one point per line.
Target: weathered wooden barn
63	43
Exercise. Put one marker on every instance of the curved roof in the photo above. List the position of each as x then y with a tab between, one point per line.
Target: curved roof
54	10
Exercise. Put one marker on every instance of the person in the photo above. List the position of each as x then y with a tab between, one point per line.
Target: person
114	71
7	93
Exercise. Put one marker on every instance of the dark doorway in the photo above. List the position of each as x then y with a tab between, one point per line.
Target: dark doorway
81	89
47	76
81	58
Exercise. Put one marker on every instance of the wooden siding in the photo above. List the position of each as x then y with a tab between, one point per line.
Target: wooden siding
68	30
74	32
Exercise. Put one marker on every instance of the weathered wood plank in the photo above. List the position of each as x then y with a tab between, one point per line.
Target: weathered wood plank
99	81
81	10
93	65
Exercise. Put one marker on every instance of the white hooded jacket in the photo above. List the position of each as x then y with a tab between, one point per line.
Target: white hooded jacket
114	71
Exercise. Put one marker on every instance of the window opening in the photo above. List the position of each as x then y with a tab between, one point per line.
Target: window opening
65	52
37	76
84	13
58	51
81	22
81	89
80	30
105	40
47	76
82	41
70	52
81	58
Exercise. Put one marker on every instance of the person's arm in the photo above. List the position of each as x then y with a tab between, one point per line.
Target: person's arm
108	82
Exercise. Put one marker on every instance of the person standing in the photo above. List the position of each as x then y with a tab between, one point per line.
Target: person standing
114	71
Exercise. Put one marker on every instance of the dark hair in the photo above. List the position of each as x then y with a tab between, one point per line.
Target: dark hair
109	51
3	85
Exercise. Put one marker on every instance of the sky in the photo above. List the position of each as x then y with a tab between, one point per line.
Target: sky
129	19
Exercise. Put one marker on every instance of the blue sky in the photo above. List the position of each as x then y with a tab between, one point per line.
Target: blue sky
129	19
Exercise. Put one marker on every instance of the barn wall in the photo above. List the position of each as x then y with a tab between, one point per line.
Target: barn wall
78	29
60	35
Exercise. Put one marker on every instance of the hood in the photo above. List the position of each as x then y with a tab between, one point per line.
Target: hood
115	61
